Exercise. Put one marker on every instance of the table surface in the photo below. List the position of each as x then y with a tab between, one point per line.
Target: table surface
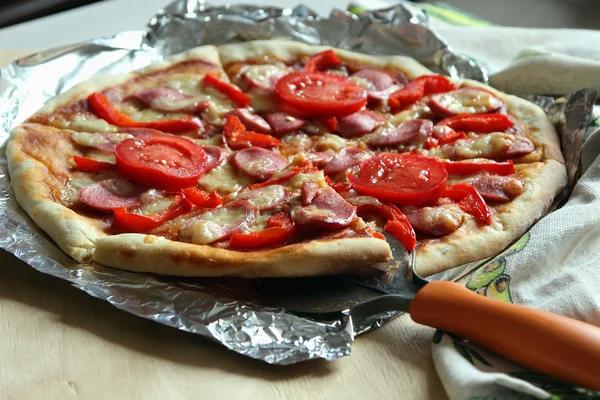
59	343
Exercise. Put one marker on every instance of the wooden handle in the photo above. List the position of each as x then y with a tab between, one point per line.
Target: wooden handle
558	346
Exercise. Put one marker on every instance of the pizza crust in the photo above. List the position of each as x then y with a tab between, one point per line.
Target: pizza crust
287	50
472	242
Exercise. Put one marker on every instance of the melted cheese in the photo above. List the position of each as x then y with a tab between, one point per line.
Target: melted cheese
212	226
483	146
100	155
83	122
263	197
258	225
329	141
69	195
416	111
317	176
224	180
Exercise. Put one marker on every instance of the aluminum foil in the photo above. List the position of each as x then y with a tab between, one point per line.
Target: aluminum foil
229	311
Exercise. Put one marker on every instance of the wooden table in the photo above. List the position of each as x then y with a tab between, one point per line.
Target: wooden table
57	342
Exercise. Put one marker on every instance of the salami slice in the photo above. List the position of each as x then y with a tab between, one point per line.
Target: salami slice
347	158
165	99
258	163
434	221
320	158
252	121
327	210
282	123
497	188
521	146
264	76
401	134
359	123
220	223
309	191
380	80
266	198
108	141
111	193
214	156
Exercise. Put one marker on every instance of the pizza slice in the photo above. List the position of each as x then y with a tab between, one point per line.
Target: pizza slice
274	158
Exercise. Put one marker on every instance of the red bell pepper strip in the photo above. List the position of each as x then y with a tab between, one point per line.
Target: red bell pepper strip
403	231
323	60
235	94
419	88
445	135
431	143
104	109
280	229
480	123
132	222
466	168
90	165
237	137
202	199
470	201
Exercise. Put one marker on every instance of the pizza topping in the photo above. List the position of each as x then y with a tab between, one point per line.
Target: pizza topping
478	165
264	76
309	191
500	189
435	221
266	198
359	123
104	109
224	179
252	121
229	90
464	101
133	222
497	145
111	193
214	156
520	146
237	137
321	94
401	134
320	158
380	80
482	123
443	134
91	165
280	229
168	100
282	123
417	89
162	161
322	61
258	163
470	201
327	210
220	223
347	158
202	199
401	178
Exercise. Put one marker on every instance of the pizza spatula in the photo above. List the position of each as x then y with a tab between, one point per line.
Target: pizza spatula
558	346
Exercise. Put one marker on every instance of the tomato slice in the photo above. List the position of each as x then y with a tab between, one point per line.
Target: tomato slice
323	60
470	201
91	165
322	95
419	88
161	161
401	178
132	222
202	199
480	123
237	137
466	167
235	94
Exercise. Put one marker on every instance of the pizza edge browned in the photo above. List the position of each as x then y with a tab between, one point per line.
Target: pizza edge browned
84	241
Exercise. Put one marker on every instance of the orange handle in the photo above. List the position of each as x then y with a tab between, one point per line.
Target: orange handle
558	346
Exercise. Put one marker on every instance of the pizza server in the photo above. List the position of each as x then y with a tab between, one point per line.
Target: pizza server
558	346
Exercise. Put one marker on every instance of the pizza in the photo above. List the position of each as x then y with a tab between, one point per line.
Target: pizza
280	159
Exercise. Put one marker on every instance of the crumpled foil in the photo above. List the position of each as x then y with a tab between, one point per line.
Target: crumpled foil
229	311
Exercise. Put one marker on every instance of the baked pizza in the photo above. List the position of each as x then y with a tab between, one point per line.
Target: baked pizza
280	159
